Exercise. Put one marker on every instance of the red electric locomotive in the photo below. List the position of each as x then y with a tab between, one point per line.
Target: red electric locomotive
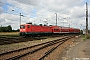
30	29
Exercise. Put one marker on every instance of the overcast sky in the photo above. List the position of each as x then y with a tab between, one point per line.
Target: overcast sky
69	12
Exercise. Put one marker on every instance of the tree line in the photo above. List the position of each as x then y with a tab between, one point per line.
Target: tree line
7	29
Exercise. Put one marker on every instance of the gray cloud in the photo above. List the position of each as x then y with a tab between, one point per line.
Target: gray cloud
1	10
29	2
1	4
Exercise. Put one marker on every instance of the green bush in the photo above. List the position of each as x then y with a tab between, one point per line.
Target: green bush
6	28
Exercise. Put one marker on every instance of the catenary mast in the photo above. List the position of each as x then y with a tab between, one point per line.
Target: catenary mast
86	18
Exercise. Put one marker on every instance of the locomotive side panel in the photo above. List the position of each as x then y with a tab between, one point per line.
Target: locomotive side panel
35	29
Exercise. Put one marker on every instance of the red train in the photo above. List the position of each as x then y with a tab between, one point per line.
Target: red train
30	29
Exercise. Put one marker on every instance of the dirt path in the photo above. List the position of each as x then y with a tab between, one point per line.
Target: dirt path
80	50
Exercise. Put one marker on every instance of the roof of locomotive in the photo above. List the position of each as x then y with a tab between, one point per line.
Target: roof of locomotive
36	24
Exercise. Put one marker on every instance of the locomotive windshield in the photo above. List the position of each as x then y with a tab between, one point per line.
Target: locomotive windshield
22	26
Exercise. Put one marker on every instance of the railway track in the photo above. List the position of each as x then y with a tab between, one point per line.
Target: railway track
11	40
46	48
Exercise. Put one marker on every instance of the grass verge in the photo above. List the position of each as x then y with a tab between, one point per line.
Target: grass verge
9	34
86	37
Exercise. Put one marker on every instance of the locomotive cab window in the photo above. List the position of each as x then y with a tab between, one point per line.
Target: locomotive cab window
28	26
22	26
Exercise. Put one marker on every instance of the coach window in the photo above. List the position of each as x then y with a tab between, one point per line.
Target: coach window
56	29
28	26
